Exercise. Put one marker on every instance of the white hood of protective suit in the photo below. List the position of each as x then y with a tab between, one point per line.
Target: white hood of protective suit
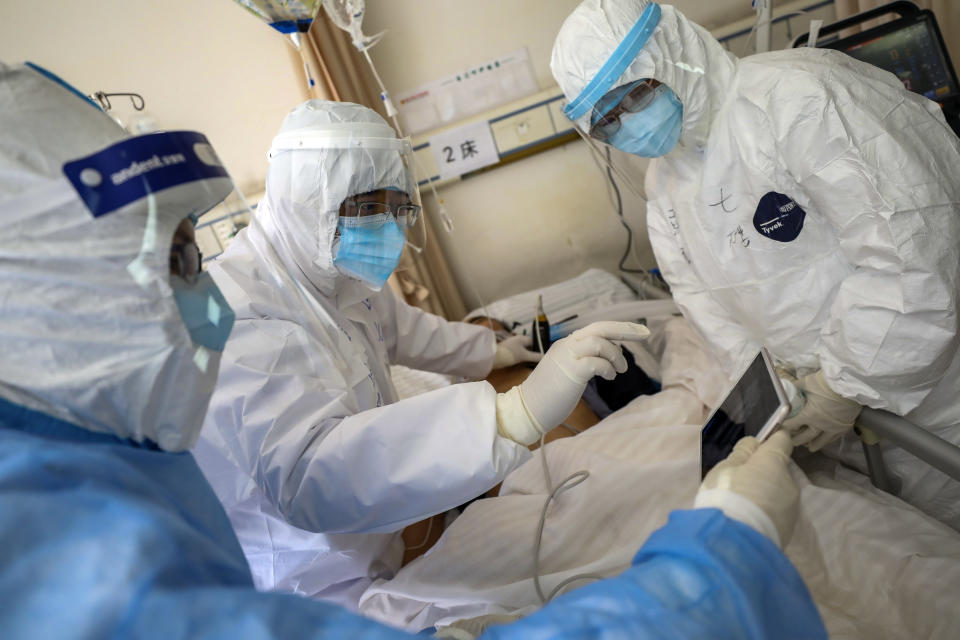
306	187
679	53
89	329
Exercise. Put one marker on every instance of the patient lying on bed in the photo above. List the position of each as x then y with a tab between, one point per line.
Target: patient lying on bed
876	567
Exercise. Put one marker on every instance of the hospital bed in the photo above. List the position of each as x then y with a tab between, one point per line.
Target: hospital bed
876	567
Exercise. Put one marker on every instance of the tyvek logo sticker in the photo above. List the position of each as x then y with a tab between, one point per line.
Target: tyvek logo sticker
778	217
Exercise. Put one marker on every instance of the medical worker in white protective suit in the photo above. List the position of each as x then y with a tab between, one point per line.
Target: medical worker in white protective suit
110	337
305	436
801	200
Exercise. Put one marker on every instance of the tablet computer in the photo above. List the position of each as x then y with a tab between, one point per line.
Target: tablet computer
756	406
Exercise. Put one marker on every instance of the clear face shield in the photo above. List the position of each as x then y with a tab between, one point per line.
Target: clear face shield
133	244
624	123
368	191
174	177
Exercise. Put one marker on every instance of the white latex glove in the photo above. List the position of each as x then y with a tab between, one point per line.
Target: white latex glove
514	350
825	416
753	485
547	397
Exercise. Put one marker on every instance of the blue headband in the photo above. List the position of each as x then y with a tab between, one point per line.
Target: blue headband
616	64
136	167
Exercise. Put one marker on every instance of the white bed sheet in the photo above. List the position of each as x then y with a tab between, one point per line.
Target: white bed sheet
877	568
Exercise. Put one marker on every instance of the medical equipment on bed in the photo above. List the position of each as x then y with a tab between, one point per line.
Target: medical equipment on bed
755	406
541	331
624	311
553	492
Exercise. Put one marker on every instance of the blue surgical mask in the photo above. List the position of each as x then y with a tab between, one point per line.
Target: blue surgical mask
654	131
205	312
370	248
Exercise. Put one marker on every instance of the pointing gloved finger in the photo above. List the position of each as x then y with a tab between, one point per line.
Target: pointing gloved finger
612	330
598	347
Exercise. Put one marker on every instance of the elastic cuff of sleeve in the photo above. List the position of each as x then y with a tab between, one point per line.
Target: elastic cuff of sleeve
738	508
513	419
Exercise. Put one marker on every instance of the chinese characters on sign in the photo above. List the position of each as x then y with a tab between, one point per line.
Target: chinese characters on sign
464	149
468	149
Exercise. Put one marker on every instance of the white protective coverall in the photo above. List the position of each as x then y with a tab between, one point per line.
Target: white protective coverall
812	206
304	431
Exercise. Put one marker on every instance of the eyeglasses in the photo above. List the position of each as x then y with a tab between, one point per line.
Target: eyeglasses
406	215
185	260
636	99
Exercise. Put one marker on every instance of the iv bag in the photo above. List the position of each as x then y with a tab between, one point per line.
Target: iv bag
286	16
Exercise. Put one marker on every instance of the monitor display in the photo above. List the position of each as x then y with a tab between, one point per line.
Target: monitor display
914	55
744	412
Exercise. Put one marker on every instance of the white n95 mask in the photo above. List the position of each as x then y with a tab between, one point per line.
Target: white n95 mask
654	131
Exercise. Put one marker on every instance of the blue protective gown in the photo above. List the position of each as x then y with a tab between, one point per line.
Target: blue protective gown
101	537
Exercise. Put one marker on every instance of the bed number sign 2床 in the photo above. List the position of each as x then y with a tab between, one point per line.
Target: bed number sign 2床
464	149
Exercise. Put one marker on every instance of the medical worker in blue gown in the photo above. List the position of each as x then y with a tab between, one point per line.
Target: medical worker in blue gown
109	342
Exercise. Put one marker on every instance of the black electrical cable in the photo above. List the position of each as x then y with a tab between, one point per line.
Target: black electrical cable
626	251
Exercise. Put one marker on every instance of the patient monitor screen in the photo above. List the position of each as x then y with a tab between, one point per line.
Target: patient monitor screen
745	411
914	55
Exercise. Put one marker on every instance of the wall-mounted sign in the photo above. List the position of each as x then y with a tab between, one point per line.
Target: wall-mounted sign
464	149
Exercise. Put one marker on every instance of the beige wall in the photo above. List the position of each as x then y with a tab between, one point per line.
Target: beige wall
538	220
208	65
200	64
